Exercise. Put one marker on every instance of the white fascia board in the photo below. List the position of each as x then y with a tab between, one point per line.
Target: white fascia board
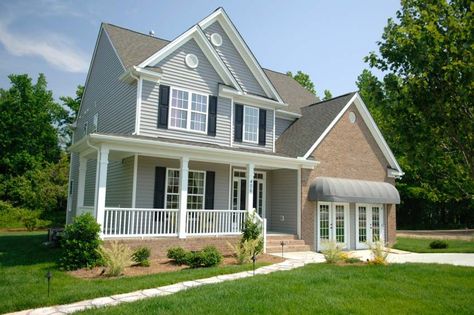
249	99
244	51
331	125
287	115
375	131
175	150
197	34
133	73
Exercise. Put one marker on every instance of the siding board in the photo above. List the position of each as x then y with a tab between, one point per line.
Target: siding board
283	203
281	125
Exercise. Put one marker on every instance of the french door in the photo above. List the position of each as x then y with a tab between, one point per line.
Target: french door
332	224
369	225
239	191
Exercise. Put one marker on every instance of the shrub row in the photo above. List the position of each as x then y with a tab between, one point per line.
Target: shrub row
208	257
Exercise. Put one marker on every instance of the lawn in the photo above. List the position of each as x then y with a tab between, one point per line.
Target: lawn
322	288
422	245
24	262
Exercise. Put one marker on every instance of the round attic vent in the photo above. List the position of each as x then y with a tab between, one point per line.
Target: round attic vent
192	61
216	39
352	117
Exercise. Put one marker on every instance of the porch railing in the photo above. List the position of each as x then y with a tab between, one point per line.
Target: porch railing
215	222
132	222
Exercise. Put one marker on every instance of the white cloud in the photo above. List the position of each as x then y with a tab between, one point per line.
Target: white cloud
55	49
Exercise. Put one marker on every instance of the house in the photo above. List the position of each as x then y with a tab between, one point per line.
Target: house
197	119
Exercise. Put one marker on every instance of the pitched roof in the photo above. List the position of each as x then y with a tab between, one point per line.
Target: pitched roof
303	133
133	47
291	91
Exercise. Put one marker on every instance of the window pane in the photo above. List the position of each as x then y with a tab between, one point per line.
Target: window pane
172	190
195	190
178	118
199	103
179	99
250	124
198	121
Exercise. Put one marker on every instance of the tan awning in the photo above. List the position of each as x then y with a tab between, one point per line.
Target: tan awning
350	190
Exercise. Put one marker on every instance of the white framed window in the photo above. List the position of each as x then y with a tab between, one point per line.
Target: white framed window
196	189
250	127
188	110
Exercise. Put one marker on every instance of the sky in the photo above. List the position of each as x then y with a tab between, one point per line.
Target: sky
326	39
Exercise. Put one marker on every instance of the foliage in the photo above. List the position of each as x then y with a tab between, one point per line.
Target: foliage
72	105
141	256
352	260
424	108
379	253
116	258
178	254
246	249
252	230
436	244
327	95
303	79
80	243
13	217
332	252
31	220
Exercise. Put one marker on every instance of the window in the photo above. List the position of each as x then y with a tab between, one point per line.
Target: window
196	183
95	122
188	111
250	124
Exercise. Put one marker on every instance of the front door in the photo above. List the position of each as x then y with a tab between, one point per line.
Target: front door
332	224
239	192
370	227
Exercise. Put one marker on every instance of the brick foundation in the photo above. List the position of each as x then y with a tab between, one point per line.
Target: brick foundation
159	246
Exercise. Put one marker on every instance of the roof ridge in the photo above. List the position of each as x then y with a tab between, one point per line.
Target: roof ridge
136	32
331	99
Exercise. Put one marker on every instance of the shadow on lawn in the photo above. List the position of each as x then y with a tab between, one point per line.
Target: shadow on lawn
22	249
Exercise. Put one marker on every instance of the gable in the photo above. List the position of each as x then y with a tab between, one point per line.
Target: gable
234	61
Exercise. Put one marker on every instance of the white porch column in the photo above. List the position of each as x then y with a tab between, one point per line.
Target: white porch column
183	196
250	175
298	203
81	183
101	184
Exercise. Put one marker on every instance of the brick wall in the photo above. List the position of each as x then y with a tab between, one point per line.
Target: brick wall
348	151
159	246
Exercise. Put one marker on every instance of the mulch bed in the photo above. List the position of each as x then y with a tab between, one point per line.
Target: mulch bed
161	265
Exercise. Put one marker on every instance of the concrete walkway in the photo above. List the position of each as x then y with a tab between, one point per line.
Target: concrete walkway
397	256
288	264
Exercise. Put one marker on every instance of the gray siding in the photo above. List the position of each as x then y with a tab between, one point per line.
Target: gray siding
234	61
120	183
146	180
283	203
74	174
89	188
269	135
281	125
105	94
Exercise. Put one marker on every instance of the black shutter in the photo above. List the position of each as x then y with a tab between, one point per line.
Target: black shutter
243	194
255	195
211	123
239	121
160	185
262	127
210	184
163	106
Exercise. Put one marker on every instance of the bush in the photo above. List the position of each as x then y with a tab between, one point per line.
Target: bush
332	252
437	244
379	252
80	243
31	220
246	249
178	254
141	256
352	260
208	257
116	258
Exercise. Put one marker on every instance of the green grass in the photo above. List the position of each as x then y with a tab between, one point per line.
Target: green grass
24	262
422	245
323	288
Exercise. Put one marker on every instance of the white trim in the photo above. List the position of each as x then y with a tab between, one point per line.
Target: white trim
197	34
298	203
244	51
287	115
135	179
230	186
188	110
138	110
246	107
262	180
332	223
273	133
254	100
188	194
369	121
231	122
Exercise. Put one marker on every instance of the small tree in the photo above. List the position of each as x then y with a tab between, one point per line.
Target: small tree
81	243
251	242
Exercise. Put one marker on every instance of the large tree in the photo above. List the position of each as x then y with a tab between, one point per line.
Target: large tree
424	103
72	109
304	80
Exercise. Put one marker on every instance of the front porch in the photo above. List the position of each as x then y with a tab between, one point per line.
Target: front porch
137	192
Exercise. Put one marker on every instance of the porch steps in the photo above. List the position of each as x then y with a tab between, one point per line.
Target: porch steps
292	243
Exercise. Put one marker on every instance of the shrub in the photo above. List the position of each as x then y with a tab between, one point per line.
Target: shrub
379	252
80	243
178	254
332	252
437	244
116	258
245	250
208	257
31	220
141	256
352	260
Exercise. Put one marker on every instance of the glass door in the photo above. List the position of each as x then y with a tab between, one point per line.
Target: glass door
239	192
370	227
332	224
